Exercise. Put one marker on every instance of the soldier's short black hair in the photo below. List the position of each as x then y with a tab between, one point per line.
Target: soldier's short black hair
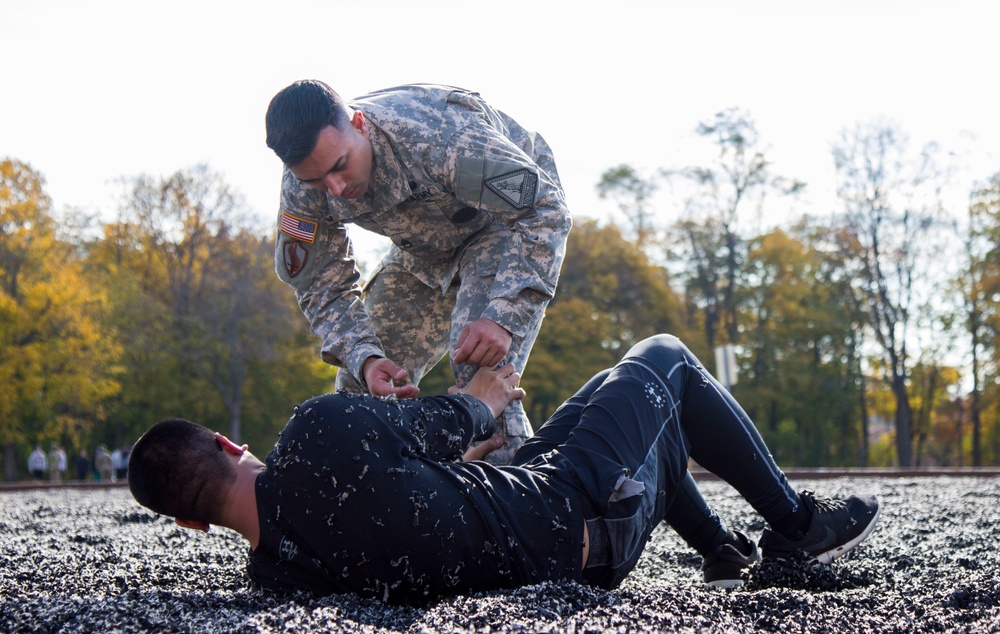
178	469
297	114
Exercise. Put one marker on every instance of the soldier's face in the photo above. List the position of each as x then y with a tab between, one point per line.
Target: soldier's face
341	162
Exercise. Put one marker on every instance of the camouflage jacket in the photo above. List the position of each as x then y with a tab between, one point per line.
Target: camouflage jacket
449	173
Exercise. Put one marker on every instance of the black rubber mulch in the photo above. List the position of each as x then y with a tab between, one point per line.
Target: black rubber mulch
94	561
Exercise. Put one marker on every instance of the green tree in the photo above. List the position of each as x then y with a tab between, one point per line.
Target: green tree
890	207
799	383
980	284
632	192
711	248
218	336
932	425
57	360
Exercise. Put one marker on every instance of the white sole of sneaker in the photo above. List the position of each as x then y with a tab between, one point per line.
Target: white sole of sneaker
840	551
726	584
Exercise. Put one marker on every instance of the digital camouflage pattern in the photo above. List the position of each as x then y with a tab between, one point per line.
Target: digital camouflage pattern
478	220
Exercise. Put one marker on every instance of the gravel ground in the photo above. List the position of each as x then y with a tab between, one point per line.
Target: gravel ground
95	561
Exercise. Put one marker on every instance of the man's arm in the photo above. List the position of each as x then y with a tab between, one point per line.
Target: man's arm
497	166
315	257
470	413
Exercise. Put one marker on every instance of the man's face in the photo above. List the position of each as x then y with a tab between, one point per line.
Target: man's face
341	162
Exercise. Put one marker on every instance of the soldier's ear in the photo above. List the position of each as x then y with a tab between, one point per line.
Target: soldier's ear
360	123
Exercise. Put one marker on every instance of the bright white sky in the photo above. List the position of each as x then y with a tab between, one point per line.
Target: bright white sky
95	90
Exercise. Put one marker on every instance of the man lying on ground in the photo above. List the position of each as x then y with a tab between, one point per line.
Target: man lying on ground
369	495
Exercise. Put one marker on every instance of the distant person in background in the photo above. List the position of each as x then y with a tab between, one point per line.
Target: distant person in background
62	463
119	462
82	465
56	457
37	463
477	217
102	464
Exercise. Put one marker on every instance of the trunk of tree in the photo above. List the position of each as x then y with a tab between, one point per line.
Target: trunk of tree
235	424
904	423
10	462
922	424
977	450
863	398
732	270
235	399
974	408
959	422
711	318
798	443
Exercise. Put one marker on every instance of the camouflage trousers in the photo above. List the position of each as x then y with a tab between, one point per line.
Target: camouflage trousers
418	325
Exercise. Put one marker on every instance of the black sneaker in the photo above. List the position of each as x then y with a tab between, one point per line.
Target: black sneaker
724	567
836	526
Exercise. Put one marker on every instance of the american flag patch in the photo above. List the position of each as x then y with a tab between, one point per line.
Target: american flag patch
298	228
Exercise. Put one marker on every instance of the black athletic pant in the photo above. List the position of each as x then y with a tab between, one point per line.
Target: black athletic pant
628	434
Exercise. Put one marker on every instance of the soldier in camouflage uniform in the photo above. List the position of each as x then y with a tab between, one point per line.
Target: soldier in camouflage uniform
477	218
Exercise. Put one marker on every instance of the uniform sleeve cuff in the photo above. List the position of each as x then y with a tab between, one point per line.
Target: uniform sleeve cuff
508	314
356	361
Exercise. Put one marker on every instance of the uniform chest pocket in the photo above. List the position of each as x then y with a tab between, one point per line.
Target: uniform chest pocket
434	221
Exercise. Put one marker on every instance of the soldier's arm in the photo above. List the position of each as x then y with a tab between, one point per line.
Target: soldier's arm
501	178
315	257
490	172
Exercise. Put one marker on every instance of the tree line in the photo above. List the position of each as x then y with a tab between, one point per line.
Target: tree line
866	337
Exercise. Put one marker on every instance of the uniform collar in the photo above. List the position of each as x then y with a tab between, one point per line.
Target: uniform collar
388	181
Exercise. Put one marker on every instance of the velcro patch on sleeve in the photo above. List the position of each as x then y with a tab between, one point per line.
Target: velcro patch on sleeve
517	187
298	228
294	255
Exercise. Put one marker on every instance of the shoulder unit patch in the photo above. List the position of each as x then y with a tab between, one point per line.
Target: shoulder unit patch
295	256
517	187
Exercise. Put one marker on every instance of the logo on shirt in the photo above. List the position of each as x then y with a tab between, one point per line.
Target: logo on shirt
517	187
298	228
419	197
655	394
287	549
294	256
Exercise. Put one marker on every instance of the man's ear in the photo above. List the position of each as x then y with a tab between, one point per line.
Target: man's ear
229	446
360	123
198	526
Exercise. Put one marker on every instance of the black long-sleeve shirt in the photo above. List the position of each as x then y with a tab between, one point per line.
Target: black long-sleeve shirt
366	495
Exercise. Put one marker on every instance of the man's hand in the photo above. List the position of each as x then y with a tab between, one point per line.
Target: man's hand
483	342
380	373
495	388
479	451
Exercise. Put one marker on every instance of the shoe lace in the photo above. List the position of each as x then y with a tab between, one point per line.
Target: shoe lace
824	505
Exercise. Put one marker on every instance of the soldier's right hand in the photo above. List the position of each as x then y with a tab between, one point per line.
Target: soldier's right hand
381	374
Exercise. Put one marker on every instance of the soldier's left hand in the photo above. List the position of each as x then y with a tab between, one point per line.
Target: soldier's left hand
484	343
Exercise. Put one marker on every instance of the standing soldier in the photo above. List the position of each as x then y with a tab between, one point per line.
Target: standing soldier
478	220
